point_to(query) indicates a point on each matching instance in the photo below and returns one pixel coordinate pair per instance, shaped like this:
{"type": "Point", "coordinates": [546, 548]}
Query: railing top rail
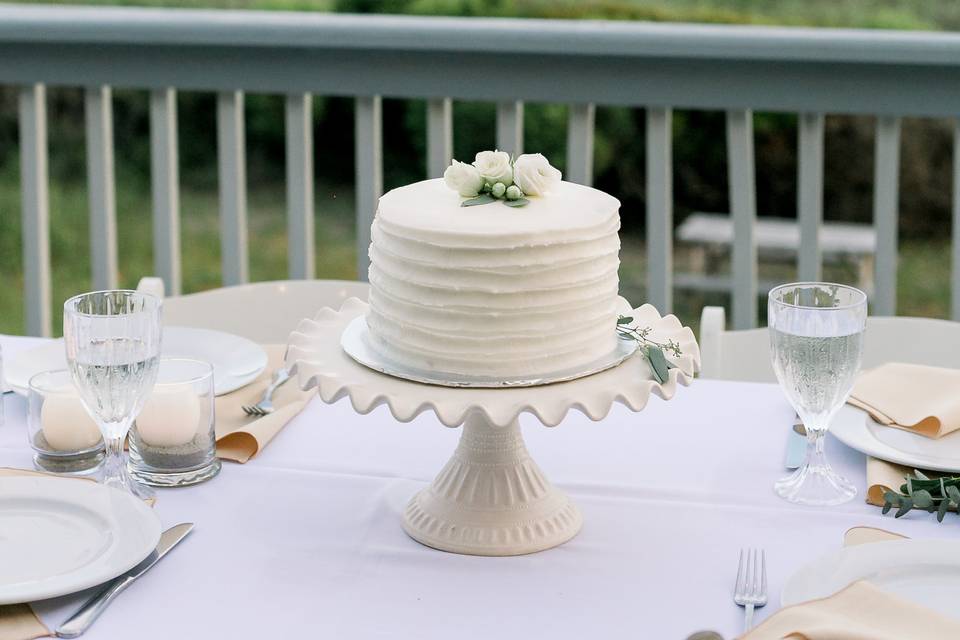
{"type": "Point", "coordinates": [153, 26]}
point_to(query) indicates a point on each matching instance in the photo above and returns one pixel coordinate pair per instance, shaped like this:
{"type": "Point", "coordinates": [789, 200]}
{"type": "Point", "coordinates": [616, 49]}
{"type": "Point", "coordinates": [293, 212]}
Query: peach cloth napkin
{"type": "Point", "coordinates": [239, 436]}
{"type": "Point", "coordinates": [883, 476]}
{"type": "Point", "coordinates": [859, 612]}
{"type": "Point", "coordinates": [918, 398]}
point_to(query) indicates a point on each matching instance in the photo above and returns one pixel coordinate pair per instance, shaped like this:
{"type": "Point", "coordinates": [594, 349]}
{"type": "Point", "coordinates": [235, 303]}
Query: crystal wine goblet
{"type": "Point", "coordinates": [816, 343]}
{"type": "Point", "coordinates": [112, 340]}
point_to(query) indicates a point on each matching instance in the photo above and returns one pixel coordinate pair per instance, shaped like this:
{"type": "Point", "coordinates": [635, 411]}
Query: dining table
{"type": "Point", "coordinates": [305, 539]}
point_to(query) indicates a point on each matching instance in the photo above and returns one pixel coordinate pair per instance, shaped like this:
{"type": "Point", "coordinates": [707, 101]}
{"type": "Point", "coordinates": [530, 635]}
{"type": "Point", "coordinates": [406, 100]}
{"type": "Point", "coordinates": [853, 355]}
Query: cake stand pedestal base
{"type": "Point", "coordinates": [491, 499]}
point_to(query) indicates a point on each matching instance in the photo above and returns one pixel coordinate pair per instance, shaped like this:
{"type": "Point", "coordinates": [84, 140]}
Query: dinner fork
{"type": "Point", "coordinates": [751, 589]}
{"type": "Point", "coordinates": [265, 405]}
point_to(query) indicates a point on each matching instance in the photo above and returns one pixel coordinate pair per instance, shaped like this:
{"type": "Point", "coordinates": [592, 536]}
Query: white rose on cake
{"type": "Point", "coordinates": [495, 167]}
{"type": "Point", "coordinates": [534, 174]}
{"type": "Point", "coordinates": [463, 178]}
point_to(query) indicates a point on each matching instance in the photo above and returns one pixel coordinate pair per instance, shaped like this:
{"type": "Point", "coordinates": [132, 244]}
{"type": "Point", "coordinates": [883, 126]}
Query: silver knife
{"type": "Point", "coordinates": [796, 445]}
{"type": "Point", "coordinates": [79, 622]}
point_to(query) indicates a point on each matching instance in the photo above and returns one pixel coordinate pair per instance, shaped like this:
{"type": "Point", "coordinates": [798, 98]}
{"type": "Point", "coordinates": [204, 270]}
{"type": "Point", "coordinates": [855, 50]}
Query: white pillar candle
{"type": "Point", "coordinates": [65, 423]}
{"type": "Point", "coordinates": [170, 416]}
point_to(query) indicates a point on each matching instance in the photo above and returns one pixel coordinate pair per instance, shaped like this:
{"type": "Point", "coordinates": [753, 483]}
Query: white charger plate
{"type": "Point", "coordinates": [236, 361]}
{"type": "Point", "coordinates": [856, 429]}
{"type": "Point", "coordinates": [62, 535]}
{"type": "Point", "coordinates": [926, 572]}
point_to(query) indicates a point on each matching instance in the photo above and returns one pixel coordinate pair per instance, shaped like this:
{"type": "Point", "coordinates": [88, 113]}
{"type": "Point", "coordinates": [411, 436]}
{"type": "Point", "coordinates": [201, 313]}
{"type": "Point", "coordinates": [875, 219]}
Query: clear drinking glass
{"type": "Point", "coordinates": [816, 343]}
{"type": "Point", "coordinates": [112, 340]}
{"type": "Point", "coordinates": [172, 442]}
{"type": "Point", "coordinates": [64, 437]}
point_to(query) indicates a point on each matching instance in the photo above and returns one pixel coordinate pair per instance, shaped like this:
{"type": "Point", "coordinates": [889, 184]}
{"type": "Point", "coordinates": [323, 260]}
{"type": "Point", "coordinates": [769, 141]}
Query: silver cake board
{"type": "Point", "coordinates": [358, 344]}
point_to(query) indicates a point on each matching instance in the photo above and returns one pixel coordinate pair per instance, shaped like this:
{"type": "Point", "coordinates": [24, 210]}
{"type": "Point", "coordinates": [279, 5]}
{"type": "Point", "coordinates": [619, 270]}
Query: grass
{"type": "Point", "coordinates": [923, 276]}
{"type": "Point", "coordinates": [70, 244]}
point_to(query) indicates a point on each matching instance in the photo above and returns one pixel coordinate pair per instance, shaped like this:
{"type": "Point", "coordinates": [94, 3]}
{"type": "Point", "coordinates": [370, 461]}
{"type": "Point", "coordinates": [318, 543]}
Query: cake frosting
{"type": "Point", "coordinates": [493, 290]}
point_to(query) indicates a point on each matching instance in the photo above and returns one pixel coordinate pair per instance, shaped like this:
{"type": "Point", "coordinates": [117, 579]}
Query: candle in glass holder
{"type": "Point", "coordinates": [65, 423]}
{"type": "Point", "coordinates": [173, 442]}
{"type": "Point", "coordinates": [170, 416]}
{"type": "Point", "coordinates": [64, 437]}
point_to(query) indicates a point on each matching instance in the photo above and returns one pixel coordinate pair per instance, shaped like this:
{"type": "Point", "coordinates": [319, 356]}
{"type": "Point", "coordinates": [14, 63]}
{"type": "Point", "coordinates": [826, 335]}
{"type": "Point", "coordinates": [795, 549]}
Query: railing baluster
{"type": "Point", "coordinates": [809, 193]}
{"type": "Point", "coordinates": [439, 136]}
{"type": "Point", "coordinates": [369, 159]}
{"type": "Point", "coordinates": [98, 109]}
{"type": "Point", "coordinates": [165, 185]}
{"type": "Point", "coordinates": [660, 208]}
{"type": "Point", "coordinates": [231, 147]}
{"type": "Point", "coordinates": [955, 288]}
{"type": "Point", "coordinates": [300, 253]}
{"type": "Point", "coordinates": [510, 127]}
{"type": "Point", "coordinates": [35, 209]}
{"type": "Point", "coordinates": [885, 189]}
{"type": "Point", "coordinates": [580, 144]}
{"type": "Point", "coordinates": [743, 207]}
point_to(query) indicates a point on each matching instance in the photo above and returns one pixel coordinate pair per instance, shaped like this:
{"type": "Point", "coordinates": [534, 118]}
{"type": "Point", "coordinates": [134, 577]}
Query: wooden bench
{"type": "Point", "coordinates": [710, 237]}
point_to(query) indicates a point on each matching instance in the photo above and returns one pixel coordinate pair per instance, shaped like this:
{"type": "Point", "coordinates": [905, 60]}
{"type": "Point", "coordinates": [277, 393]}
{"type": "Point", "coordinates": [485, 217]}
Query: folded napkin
{"type": "Point", "coordinates": [918, 398]}
{"type": "Point", "coordinates": [883, 476]}
{"type": "Point", "coordinates": [859, 612]}
{"type": "Point", "coordinates": [19, 622]}
{"type": "Point", "coordinates": [239, 436]}
{"type": "Point", "coordinates": [866, 535]}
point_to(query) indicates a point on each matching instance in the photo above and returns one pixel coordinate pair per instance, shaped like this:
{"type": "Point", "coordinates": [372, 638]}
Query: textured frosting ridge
{"type": "Point", "coordinates": [491, 290]}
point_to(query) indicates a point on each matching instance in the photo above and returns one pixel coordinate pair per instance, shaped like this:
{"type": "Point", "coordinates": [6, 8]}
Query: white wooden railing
{"type": "Point", "coordinates": [811, 72]}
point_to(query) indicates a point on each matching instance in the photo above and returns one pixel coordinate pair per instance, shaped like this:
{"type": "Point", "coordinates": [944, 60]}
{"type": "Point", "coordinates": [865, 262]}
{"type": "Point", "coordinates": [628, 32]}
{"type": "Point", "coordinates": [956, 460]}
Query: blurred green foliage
{"type": "Point", "coordinates": [699, 149]}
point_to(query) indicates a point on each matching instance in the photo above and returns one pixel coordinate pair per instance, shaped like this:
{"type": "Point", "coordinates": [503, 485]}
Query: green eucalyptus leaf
{"type": "Point", "coordinates": [942, 509]}
{"type": "Point", "coordinates": [482, 199]}
{"type": "Point", "coordinates": [922, 499]}
{"type": "Point", "coordinates": [519, 202]}
{"type": "Point", "coordinates": [954, 493]}
{"type": "Point", "coordinates": [906, 503]}
{"type": "Point", "coordinates": [658, 362]}
{"type": "Point", "coordinates": [892, 498]}
{"type": "Point", "coordinates": [886, 507]}
{"type": "Point", "coordinates": [624, 320]}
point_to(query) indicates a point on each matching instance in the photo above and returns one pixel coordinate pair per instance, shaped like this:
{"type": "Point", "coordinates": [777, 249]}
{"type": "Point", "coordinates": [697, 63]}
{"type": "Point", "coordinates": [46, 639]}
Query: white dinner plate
{"type": "Point", "coordinates": [926, 572]}
{"type": "Point", "coordinates": [62, 535]}
{"type": "Point", "coordinates": [855, 428]}
{"type": "Point", "coordinates": [236, 361]}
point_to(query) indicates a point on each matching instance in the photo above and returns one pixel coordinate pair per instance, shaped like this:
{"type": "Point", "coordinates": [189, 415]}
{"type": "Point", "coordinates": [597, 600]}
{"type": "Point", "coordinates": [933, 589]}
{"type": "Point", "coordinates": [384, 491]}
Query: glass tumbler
{"type": "Point", "coordinates": [64, 437]}
{"type": "Point", "coordinates": [172, 442]}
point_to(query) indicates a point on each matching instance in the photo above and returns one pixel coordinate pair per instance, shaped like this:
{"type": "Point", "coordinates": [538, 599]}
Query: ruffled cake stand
{"type": "Point", "coordinates": [491, 498]}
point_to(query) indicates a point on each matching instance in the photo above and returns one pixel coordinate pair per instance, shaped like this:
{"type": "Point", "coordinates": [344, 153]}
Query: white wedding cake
{"type": "Point", "coordinates": [509, 275]}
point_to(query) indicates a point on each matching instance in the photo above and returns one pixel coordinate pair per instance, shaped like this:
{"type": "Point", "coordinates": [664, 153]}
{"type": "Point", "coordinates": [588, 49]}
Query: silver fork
{"type": "Point", "coordinates": [265, 405]}
{"type": "Point", "coordinates": [751, 588]}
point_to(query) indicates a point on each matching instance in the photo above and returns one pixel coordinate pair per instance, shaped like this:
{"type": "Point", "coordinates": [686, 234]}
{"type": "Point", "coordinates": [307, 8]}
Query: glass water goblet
{"type": "Point", "coordinates": [112, 341]}
{"type": "Point", "coordinates": [816, 343]}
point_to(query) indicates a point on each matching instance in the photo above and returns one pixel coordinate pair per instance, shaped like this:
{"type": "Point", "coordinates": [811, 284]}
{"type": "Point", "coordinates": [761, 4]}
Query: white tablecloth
{"type": "Point", "coordinates": [305, 540]}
